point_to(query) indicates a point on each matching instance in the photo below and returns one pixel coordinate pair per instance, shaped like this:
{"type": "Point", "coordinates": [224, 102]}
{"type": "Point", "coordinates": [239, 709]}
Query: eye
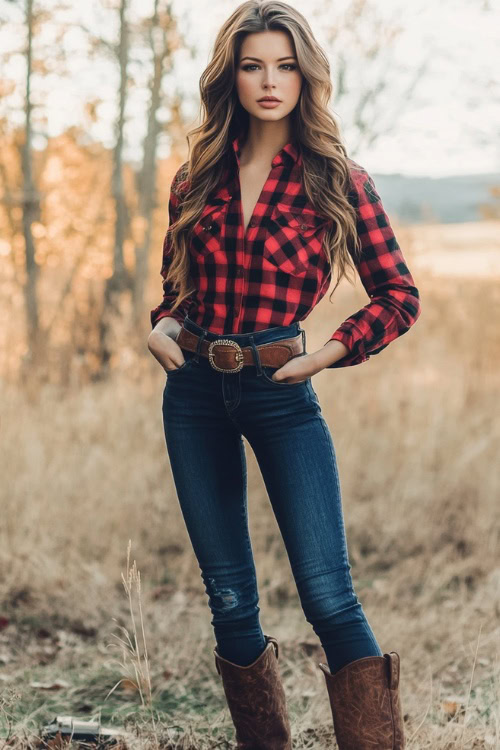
{"type": "Point", "coordinates": [290, 66]}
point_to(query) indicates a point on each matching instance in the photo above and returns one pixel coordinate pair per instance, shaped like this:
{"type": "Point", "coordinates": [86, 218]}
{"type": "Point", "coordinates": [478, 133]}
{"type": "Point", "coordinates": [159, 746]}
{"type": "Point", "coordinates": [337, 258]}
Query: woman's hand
{"type": "Point", "coordinates": [297, 369]}
{"type": "Point", "coordinates": [164, 347]}
{"type": "Point", "coordinates": [303, 367]}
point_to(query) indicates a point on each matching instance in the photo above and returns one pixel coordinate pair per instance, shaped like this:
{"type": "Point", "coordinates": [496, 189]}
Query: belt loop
{"type": "Point", "coordinates": [255, 355]}
{"type": "Point", "coordinates": [196, 356]}
{"type": "Point", "coordinates": [303, 340]}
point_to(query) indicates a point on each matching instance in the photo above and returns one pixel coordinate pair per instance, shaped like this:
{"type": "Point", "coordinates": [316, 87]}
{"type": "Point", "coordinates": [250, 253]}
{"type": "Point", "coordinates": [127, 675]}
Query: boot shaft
{"type": "Point", "coordinates": [256, 700]}
{"type": "Point", "coordinates": [366, 704]}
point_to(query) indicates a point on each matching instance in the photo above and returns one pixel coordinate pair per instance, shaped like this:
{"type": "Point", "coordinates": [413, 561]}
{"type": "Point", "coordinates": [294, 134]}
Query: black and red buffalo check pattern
{"type": "Point", "coordinates": [276, 272]}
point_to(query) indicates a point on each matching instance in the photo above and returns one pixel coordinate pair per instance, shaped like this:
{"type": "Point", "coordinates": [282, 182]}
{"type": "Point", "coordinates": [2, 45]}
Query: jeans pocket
{"type": "Point", "coordinates": [182, 367]}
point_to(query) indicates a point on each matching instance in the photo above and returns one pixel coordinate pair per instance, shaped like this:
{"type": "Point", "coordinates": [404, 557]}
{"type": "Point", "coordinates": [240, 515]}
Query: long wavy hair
{"type": "Point", "coordinates": [325, 177]}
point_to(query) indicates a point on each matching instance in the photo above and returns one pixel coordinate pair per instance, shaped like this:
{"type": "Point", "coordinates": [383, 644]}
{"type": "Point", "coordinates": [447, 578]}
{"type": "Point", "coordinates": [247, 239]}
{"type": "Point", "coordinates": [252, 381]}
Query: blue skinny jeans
{"type": "Point", "coordinates": [206, 413]}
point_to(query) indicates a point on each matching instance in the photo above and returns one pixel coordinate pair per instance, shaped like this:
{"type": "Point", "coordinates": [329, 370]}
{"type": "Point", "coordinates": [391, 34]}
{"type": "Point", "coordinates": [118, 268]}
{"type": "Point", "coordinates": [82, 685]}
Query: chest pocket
{"type": "Point", "coordinates": [293, 239]}
{"type": "Point", "coordinates": [208, 232]}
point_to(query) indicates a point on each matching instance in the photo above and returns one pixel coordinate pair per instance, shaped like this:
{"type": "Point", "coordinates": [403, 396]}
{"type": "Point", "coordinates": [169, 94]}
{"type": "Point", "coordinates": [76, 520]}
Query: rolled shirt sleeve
{"type": "Point", "coordinates": [169, 295]}
{"type": "Point", "coordinates": [394, 299]}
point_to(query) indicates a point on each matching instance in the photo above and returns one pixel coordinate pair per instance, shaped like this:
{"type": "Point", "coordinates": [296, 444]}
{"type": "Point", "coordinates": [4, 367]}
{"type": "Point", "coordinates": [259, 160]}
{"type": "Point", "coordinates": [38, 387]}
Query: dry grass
{"type": "Point", "coordinates": [416, 432]}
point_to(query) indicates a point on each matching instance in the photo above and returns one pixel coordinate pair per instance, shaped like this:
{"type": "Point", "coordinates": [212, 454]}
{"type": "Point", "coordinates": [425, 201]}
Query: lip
{"type": "Point", "coordinates": [268, 103]}
{"type": "Point", "coordinates": [269, 99]}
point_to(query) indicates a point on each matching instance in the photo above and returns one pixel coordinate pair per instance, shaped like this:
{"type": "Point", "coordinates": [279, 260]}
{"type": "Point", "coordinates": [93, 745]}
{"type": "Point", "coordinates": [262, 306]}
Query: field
{"type": "Point", "coordinates": [416, 432]}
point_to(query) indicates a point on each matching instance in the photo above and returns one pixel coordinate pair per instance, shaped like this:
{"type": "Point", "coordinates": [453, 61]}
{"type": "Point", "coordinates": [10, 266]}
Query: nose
{"type": "Point", "coordinates": [269, 79]}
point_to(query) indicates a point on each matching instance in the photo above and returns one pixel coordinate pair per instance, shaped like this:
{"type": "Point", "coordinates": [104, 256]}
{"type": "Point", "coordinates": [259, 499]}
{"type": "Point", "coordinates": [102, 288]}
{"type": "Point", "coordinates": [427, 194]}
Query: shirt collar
{"type": "Point", "coordinates": [289, 154]}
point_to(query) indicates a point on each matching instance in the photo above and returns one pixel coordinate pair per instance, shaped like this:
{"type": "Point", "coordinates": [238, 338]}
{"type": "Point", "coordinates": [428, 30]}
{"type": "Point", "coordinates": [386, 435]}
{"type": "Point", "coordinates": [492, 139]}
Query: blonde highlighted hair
{"type": "Point", "coordinates": [326, 166]}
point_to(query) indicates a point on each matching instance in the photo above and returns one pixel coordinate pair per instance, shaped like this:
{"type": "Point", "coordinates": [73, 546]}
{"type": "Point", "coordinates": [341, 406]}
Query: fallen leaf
{"type": "Point", "coordinates": [452, 707]}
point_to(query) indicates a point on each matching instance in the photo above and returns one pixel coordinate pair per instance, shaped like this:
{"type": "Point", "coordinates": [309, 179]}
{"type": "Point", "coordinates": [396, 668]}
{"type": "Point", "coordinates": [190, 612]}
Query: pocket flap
{"type": "Point", "coordinates": [302, 219]}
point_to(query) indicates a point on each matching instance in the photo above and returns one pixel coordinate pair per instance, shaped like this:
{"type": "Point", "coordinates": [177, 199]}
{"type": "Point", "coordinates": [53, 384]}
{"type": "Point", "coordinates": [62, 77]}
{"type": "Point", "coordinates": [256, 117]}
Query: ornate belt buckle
{"type": "Point", "coordinates": [238, 355]}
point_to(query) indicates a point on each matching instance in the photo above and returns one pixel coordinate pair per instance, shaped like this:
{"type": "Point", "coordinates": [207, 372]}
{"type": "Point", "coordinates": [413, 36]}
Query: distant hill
{"type": "Point", "coordinates": [435, 199]}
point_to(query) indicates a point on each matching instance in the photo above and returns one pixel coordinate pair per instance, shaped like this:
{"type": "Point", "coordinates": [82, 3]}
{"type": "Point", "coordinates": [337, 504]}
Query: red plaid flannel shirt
{"type": "Point", "coordinates": [275, 273]}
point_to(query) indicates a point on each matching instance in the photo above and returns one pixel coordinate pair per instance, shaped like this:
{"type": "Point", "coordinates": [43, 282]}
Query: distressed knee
{"type": "Point", "coordinates": [221, 598]}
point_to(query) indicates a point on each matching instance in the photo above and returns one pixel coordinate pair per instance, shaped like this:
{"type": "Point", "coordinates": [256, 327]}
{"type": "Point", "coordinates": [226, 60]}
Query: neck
{"type": "Point", "coordinates": [264, 140]}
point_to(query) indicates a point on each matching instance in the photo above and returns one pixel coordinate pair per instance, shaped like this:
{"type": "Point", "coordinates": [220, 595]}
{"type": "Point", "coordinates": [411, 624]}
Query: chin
{"type": "Point", "coordinates": [269, 114]}
{"type": "Point", "coordinates": [268, 118]}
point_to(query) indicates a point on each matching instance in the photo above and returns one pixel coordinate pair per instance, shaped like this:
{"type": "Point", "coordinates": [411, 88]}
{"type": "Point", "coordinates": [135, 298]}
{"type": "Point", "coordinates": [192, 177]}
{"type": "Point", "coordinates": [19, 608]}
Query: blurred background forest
{"type": "Point", "coordinates": [95, 102]}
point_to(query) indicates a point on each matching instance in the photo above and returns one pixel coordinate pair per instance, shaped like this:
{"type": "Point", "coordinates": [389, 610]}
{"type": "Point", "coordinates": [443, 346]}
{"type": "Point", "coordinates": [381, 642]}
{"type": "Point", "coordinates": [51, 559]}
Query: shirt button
{"type": "Point", "coordinates": [303, 227]}
{"type": "Point", "coordinates": [239, 271]}
{"type": "Point", "coordinates": [253, 222]}
{"type": "Point", "coordinates": [208, 226]}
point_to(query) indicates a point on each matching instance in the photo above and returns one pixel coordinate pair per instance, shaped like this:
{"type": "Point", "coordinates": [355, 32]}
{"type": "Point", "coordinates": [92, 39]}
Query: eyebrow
{"type": "Point", "coordinates": [288, 57]}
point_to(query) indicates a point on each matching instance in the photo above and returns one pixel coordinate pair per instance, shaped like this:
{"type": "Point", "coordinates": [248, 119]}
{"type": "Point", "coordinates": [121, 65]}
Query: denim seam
{"type": "Point", "coordinates": [339, 489]}
{"type": "Point", "coordinates": [228, 413]}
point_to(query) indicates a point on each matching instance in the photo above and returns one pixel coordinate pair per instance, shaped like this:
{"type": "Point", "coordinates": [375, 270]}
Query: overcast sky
{"type": "Point", "coordinates": [450, 126]}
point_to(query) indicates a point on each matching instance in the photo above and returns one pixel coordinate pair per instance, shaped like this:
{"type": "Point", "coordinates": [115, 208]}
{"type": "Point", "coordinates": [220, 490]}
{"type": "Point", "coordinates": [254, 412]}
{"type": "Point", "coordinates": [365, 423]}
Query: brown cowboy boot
{"type": "Point", "coordinates": [365, 703]}
{"type": "Point", "coordinates": [256, 700]}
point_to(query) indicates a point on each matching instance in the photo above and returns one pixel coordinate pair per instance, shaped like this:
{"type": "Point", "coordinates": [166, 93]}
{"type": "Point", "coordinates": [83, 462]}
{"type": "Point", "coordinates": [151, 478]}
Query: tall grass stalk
{"type": "Point", "coordinates": [131, 652]}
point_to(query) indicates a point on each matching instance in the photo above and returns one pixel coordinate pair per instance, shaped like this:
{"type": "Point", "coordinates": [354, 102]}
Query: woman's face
{"type": "Point", "coordinates": [268, 67]}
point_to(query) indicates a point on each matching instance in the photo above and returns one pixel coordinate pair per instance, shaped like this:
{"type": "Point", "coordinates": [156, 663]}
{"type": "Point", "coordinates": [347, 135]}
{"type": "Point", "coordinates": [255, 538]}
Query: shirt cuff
{"type": "Point", "coordinates": [356, 354]}
{"type": "Point", "coordinates": [156, 316]}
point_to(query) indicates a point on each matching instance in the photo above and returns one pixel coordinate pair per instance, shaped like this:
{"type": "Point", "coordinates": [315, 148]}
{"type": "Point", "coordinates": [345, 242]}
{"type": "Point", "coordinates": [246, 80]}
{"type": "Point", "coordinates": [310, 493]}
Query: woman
{"type": "Point", "coordinates": [267, 204]}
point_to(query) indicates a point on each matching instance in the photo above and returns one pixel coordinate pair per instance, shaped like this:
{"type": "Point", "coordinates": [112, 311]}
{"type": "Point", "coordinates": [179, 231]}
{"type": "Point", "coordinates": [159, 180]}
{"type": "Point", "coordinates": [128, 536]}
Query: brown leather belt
{"type": "Point", "coordinates": [226, 355]}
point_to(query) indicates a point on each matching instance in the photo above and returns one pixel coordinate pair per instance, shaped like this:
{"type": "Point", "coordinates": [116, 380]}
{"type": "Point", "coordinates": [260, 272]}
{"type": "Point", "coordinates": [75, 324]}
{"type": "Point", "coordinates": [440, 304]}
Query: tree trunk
{"type": "Point", "coordinates": [119, 280]}
{"type": "Point", "coordinates": [30, 209]}
{"type": "Point", "coordinates": [146, 180]}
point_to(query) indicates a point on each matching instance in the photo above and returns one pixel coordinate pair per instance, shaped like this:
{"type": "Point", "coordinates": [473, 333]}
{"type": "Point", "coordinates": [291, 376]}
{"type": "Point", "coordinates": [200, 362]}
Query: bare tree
{"type": "Point", "coordinates": [120, 280]}
{"type": "Point", "coordinates": [162, 38]}
{"type": "Point", "coordinates": [361, 47]}
{"type": "Point", "coordinates": [30, 198]}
